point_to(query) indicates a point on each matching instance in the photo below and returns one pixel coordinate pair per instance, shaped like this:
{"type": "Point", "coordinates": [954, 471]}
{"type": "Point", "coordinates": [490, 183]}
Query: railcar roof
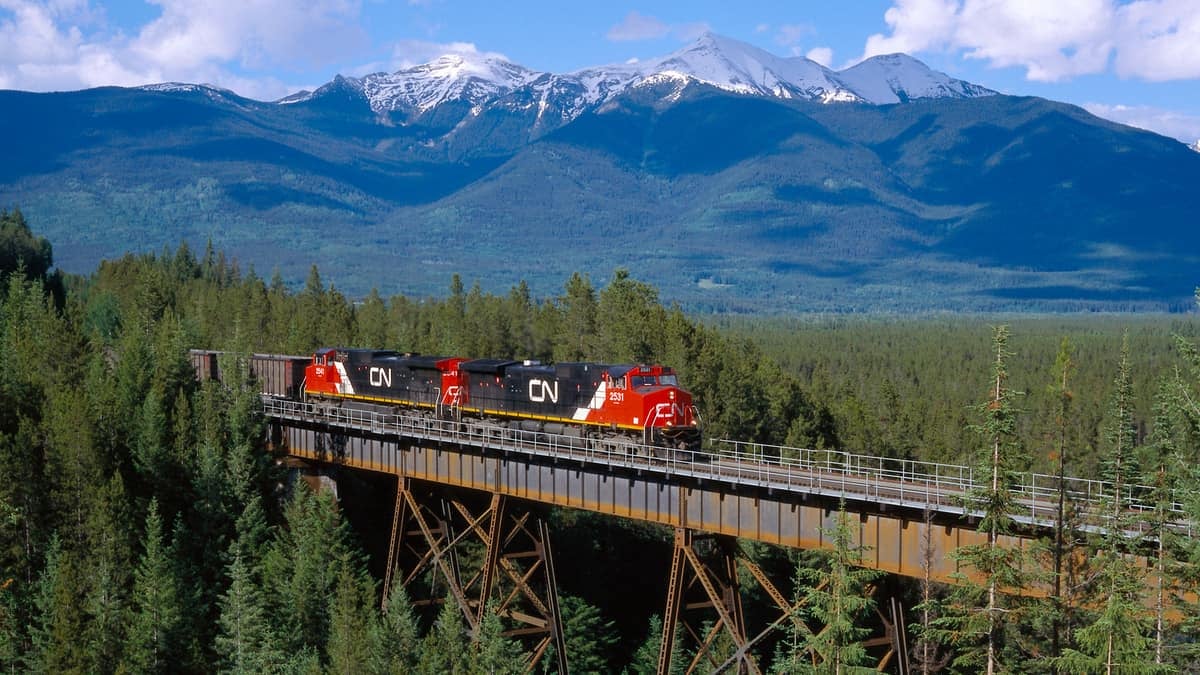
{"type": "Point", "coordinates": [490, 366]}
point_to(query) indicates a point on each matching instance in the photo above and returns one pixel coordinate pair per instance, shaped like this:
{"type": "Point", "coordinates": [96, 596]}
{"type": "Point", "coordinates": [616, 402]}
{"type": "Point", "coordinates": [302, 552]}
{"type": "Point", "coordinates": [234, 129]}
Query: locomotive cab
{"type": "Point", "coordinates": [650, 397]}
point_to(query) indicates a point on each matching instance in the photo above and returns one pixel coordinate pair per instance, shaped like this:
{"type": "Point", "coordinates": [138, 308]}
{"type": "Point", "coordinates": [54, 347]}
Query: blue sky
{"type": "Point", "coordinates": [1136, 61]}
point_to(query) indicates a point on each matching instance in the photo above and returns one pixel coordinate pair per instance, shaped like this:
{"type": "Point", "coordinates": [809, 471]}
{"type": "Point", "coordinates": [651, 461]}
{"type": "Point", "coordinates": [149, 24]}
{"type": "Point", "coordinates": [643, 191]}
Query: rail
{"type": "Point", "coordinates": [941, 488]}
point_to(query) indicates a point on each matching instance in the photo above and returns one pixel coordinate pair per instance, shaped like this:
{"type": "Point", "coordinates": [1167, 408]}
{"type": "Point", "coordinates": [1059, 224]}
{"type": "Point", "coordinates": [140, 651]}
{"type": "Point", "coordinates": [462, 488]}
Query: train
{"type": "Point", "coordinates": [643, 403]}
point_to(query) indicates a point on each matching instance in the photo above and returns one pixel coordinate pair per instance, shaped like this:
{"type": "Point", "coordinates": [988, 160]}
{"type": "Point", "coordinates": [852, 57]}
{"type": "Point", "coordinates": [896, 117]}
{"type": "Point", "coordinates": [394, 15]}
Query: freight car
{"type": "Point", "coordinates": [587, 400]}
{"type": "Point", "coordinates": [276, 374]}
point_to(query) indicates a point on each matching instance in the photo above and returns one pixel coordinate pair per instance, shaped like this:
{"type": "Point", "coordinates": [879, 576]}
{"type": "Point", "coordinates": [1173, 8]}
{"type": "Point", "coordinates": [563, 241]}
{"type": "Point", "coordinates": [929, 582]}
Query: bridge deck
{"type": "Point", "coordinates": [911, 514]}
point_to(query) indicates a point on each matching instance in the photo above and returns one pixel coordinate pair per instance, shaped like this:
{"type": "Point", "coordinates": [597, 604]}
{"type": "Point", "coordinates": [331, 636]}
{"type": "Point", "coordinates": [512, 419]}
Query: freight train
{"type": "Point", "coordinates": [638, 402]}
{"type": "Point", "coordinates": [581, 399]}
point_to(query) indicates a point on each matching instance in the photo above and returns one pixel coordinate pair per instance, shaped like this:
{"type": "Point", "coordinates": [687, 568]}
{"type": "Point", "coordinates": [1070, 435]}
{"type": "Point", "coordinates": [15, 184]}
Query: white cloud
{"type": "Point", "coordinates": [1177, 125]}
{"type": "Point", "coordinates": [686, 32]}
{"type": "Point", "coordinates": [409, 53]}
{"type": "Point", "coordinates": [636, 26]}
{"type": "Point", "coordinates": [792, 33]}
{"type": "Point", "coordinates": [1052, 40]}
{"type": "Point", "coordinates": [822, 55]}
{"type": "Point", "coordinates": [1159, 40]}
{"type": "Point", "coordinates": [916, 25]}
{"type": "Point", "coordinates": [63, 44]}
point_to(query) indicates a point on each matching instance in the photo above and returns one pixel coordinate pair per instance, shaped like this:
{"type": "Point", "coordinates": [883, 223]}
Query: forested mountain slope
{"type": "Point", "coordinates": [725, 201]}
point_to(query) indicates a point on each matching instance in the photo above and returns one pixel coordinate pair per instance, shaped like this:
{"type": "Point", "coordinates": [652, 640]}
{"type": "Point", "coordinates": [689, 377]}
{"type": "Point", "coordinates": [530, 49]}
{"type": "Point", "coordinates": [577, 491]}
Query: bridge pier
{"type": "Point", "coordinates": [515, 575]}
{"type": "Point", "coordinates": [708, 580]}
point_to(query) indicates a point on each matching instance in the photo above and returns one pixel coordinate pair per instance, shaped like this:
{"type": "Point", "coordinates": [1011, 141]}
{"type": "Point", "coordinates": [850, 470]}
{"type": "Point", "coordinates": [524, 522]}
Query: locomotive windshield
{"type": "Point", "coordinates": [651, 381]}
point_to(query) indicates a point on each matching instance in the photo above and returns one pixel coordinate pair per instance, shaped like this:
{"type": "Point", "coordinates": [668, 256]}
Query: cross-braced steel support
{"type": "Point", "coordinates": [436, 538]}
{"type": "Point", "coordinates": [705, 583]}
{"type": "Point", "coordinates": [708, 580]}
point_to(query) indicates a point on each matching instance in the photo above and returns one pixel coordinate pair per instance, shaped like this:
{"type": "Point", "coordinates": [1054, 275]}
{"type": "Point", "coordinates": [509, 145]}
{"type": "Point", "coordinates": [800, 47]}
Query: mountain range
{"type": "Point", "coordinates": [730, 178]}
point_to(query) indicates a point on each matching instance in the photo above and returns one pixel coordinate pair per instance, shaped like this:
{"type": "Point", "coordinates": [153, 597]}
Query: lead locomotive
{"type": "Point", "coordinates": [584, 399]}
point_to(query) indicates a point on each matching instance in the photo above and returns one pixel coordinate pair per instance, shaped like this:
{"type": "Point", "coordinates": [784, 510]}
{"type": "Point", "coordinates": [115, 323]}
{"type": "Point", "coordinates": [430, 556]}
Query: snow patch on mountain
{"type": "Point", "coordinates": [899, 78]}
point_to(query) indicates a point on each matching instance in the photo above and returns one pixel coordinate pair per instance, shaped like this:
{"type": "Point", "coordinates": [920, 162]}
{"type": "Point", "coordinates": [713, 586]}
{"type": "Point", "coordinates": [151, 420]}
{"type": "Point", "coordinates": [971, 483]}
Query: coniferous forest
{"type": "Point", "coordinates": [144, 526]}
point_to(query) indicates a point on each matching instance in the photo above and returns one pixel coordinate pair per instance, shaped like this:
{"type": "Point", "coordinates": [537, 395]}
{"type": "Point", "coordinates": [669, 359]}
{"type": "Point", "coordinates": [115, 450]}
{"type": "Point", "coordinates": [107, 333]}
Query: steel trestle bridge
{"type": "Point", "coordinates": [467, 491]}
{"type": "Point", "coordinates": [910, 515]}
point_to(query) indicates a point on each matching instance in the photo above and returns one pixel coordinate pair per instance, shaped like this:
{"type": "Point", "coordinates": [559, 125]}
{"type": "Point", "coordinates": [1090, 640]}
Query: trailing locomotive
{"type": "Point", "coordinates": [644, 402]}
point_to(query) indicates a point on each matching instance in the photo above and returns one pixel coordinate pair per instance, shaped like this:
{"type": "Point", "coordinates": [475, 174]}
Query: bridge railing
{"type": "Point", "coordinates": [954, 483]}
{"type": "Point", "coordinates": [941, 487]}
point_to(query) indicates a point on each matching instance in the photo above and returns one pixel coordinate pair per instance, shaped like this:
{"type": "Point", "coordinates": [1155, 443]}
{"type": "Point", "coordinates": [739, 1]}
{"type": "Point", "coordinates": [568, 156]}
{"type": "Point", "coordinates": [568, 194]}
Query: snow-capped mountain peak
{"type": "Point", "coordinates": [736, 66]}
{"type": "Point", "coordinates": [472, 77]}
{"type": "Point", "coordinates": [481, 80]}
{"type": "Point", "coordinates": [899, 78]}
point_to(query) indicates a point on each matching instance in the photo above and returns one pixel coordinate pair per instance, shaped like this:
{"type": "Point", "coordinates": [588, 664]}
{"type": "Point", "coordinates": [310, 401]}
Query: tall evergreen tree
{"type": "Point", "coordinates": [245, 643]}
{"type": "Point", "coordinates": [108, 575]}
{"type": "Point", "coordinates": [575, 341]}
{"type": "Point", "coordinates": [979, 611]}
{"type": "Point", "coordinates": [589, 637]}
{"type": "Point", "coordinates": [1060, 390]}
{"type": "Point", "coordinates": [494, 654]}
{"type": "Point", "coordinates": [1118, 640]}
{"type": "Point", "coordinates": [153, 633]}
{"type": "Point", "coordinates": [57, 647]}
{"type": "Point", "coordinates": [301, 569]}
{"type": "Point", "coordinates": [11, 633]}
{"type": "Point", "coordinates": [1164, 471]}
{"type": "Point", "coordinates": [446, 650]}
{"type": "Point", "coordinates": [399, 637]}
{"type": "Point", "coordinates": [645, 659]}
{"type": "Point", "coordinates": [835, 597]}
{"type": "Point", "coordinates": [352, 623]}
{"type": "Point", "coordinates": [41, 654]}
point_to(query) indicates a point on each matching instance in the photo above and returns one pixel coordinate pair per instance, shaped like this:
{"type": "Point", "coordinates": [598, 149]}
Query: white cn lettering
{"type": "Point", "coordinates": [380, 377]}
{"type": "Point", "coordinates": [540, 390]}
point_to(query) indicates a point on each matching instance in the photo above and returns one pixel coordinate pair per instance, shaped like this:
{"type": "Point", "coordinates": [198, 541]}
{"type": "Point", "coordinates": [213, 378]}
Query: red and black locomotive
{"type": "Point", "coordinates": [579, 399]}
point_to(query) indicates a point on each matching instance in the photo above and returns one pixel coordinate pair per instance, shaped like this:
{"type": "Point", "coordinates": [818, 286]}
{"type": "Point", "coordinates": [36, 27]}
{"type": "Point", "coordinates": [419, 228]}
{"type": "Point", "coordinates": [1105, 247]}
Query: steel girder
{"type": "Point", "coordinates": [491, 558]}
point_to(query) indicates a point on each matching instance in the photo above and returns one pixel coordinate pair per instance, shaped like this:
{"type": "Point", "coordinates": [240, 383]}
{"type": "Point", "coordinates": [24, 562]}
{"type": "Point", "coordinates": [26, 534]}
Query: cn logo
{"type": "Point", "coordinates": [540, 390]}
{"type": "Point", "coordinates": [380, 377]}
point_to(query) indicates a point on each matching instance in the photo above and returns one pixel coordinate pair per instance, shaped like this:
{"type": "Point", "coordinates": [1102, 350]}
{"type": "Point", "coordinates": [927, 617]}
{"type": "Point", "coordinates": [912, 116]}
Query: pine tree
{"type": "Point", "coordinates": [1120, 463]}
{"type": "Point", "coordinates": [978, 611]}
{"type": "Point", "coordinates": [835, 597]}
{"type": "Point", "coordinates": [1164, 468]}
{"type": "Point", "coordinates": [11, 634]}
{"type": "Point", "coordinates": [352, 622]}
{"type": "Point", "coordinates": [39, 658]}
{"type": "Point", "coordinates": [398, 638]}
{"type": "Point", "coordinates": [575, 341]}
{"type": "Point", "coordinates": [446, 650]}
{"type": "Point", "coordinates": [301, 568]}
{"type": "Point", "coordinates": [589, 637]}
{"type": "Point", "coordinates": [494, 654]}
{"type": "Point", "coordinates": [371, 320]}
{"type": "Point", "coordinates": [245, 643]}
{"type": "Point", "coordinates": [153, 633]}
{"type": "Point", "coordinates": [110, 543]}
{"type": "Point", "coordinates": [645, 659]}
{"type": "Point", "coordinates": [629, 320]}
{"type": "Point", "coordinates": [1118, 640]}
{"type": "Point", "coordinates": [1064, 366]}
{"type": "Point", "coordinates": [926, 655]}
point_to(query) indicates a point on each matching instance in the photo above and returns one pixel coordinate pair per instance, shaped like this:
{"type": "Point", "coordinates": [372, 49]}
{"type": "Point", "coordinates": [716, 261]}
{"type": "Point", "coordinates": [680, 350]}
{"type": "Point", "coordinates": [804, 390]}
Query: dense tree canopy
{"type": "Point", "coordinates": [145, 527]}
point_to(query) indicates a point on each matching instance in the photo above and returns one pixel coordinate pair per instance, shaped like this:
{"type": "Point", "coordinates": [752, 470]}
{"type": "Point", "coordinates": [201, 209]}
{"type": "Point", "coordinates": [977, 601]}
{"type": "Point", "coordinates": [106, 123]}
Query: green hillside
{"type": "Point", "coordinates": [726, 203]}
